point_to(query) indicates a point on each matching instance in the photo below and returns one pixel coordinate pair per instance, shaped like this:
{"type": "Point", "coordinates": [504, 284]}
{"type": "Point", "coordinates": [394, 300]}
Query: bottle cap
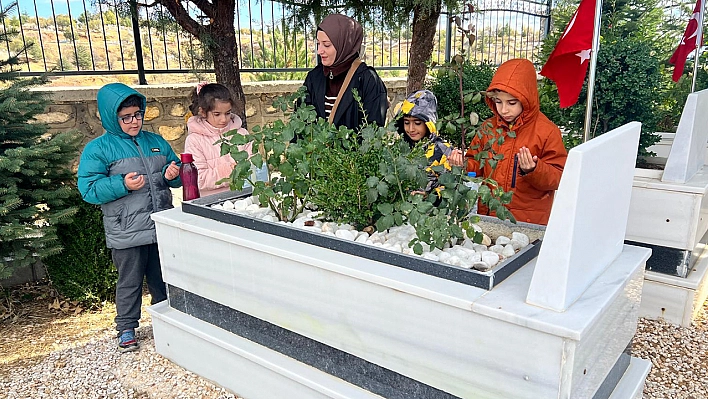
{"type": "Point", "coordinates": [186, 157]}
{"type": "Point", "coordinates": [469, 174]}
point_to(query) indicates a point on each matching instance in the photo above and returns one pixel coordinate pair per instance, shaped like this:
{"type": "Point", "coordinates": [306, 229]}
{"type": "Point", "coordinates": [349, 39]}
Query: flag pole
{"type": "Point", "coordinates": [593, 65]}
{"type": "Point", "coordinates": [699, 41]}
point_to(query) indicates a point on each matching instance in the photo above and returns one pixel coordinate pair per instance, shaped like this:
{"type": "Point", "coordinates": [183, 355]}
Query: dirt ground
{"type": "Point", "coordinates": [42, 323]}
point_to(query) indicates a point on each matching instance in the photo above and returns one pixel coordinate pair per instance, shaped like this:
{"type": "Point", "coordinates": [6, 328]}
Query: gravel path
{"type": "Point", "coordinates": [94, 369]}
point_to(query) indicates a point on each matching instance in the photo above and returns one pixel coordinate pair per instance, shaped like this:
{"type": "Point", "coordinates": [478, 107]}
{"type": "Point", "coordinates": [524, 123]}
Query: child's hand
{"type": "Point", "coordinates": [133, 181]}
{"type": "Point", "coordinates": [455, 158]}
{"type": "Point", "coordinates": [172, 171]}
{"type": "Point", "coordinates": [527, 162]}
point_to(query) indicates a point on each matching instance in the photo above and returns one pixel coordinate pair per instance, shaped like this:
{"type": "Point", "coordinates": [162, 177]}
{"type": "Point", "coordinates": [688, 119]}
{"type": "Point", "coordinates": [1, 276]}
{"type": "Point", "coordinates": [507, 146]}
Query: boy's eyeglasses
{"type": "Point", "coordinates": [129, 118]}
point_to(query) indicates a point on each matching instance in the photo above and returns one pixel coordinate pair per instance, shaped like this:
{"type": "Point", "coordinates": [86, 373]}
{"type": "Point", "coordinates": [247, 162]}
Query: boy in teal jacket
{"type": "Point", "coordinates": [129, 173]}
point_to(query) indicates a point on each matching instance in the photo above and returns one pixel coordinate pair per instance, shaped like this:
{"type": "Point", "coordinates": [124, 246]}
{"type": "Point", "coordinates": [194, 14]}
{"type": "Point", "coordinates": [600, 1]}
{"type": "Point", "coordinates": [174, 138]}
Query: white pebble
{"type": "Point", "coordinates": [522, 238]}
{"type": "Point", "coordinates": [228, 205]}
{"type": "Point", "coordinates": [363, 238]}
{"type": "Point", "coordinates": [490, 258]}
{"type": "Point", "coordinates": [496, 248]}
{"type": "Point", "coordinates": [241, 205]}
{"type": "Point", "coordinates": [508, 251]}
{"type": "Point", "coordinates": [344, 234]}
{"type": "Point", "coordinates": [502, 240]}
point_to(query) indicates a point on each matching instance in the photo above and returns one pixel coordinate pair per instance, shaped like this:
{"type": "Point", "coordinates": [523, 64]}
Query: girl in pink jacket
{"type": "Point", "coordinates": [211, 107]}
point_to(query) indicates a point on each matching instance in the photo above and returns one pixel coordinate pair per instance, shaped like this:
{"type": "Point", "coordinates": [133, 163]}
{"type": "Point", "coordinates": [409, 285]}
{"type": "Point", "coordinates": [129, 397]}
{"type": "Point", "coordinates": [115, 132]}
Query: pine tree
{"type": "Point", "coordinates": [35, 172]}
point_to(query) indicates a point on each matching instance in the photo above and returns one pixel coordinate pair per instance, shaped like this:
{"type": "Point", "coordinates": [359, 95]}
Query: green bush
{"type": "Point", "coordinates": [446, 87]}
{"type": "Point", "coordinates": [626, 85]}
{"type": "Point", "coordinates": [84, 271]}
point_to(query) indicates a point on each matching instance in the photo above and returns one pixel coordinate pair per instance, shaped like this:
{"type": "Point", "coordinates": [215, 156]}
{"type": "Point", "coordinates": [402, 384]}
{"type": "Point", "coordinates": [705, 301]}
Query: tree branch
{"type": "Point", "coordinates": [182, 17]}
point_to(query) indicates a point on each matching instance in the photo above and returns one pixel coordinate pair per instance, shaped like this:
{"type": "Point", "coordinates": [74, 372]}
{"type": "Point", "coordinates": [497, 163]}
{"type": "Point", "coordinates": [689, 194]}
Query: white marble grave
{"type": "Point", "coordinates": [268, 317]}
{"type": "Point", "coordinates": [595, 236]}
{"type": "Point", "coordinates": [669, 212]}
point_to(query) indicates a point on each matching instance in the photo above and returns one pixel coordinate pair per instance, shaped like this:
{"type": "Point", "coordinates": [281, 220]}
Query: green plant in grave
{"type": "Point", "coordinates": [288, 190]}
{"type": "Point", "coordinates": [356, 178]}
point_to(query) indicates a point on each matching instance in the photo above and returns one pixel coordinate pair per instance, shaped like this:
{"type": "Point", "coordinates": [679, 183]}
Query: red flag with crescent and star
{"type": "Point", "coordinates": [568, 63]}
{"type": "Point", "coordinates": [687, 45]}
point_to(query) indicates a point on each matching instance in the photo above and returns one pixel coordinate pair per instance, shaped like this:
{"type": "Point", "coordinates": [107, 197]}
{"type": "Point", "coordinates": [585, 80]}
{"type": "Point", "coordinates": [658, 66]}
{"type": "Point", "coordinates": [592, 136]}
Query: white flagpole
{"type": "Point", "coordinates": [593, 65]}
{"type": "Point", "coordinates": [699, 40]}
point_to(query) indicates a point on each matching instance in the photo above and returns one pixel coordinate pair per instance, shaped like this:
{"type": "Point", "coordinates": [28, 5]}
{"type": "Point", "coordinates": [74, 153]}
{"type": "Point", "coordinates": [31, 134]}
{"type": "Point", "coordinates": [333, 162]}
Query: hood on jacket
{"type": "Point", "coordinates": [422, 105]}
{"type": "Point", "coordinates": [518, 78]}
{"type": "Point", "coordinates": [109, 98]}
{"type": "Point", "coordinates": [346, 36]}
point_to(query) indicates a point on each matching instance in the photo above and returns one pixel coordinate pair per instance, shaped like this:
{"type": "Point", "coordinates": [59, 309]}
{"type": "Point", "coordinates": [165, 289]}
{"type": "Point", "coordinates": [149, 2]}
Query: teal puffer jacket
{"type": "Point", "coordinates": [108, 158]}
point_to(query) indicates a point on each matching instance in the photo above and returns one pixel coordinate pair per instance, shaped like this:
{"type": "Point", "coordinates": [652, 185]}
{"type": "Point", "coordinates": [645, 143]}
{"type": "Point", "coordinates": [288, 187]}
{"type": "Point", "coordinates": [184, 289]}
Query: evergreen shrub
{"type": "Point", "coordinates": [84, 271]}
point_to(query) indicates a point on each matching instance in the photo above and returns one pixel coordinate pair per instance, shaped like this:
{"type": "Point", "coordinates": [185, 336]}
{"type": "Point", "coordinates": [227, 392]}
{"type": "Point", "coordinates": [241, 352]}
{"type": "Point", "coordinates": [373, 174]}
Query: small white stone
{"type": "Point", "coordinates": [228, 205]}
{"type": "Point", "coordinates": [253, 208]}
{"type": "Point", "coordinates": [480, 248]}
{"type": "Point", "coordinates": [517, 245]}
{"type": "Point", "coordinates": [522, 238]}
{"type": "Point", "coordinates": [396, 247]}
{"type": "Point", "coordinates": [502, 240]}
{"type": "Point", "coordinates": [328, 233]}
{"type": "Point", "coordinates": [468, 244]}
{"type": "Point", "coordinates": [444, 256]}
{"type": "Point", "coordinates": [436, 251]}
{"type": "Point", "coordinates": [363, 238]}
{"type": "Point", "coordinates": [486, 240]}
{"type": "Point", "coordinates": [430, 255]}
{"type": "Point", "coordinates": [217, 206]}
{"type": "Point", "coordinates": [330, 227]}
{"type": "Point", "coordinates": [454, 260]}
{"type": "Point", "coordinates": [241, 205]}
{"type": "Point", "coordinates": [508, 251]}
{"type": "Point", "coordinates": [346, 226]}
{"type": "Point", "coordinates": [490, 258]}
{"type": "Point", "coordinates": [344, 234]}
{"type": "Point", "coordinates": [496, 248]}
{"type": "Point", "coordinates": [476, 257]}
{"type": "Point", "coordinates": [269, 218]}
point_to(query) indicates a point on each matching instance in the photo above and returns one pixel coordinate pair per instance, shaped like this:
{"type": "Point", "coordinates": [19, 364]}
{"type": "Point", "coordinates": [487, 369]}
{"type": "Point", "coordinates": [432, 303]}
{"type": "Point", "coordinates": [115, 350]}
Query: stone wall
{"type": "Point", "coordinates": [167, 105]}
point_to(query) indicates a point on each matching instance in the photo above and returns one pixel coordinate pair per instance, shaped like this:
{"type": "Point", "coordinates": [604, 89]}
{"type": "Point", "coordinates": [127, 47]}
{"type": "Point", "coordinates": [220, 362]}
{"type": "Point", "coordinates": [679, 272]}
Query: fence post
{"type": "Point", "coordinates": [448, 38]}
{"type": "Point", "coordinates": [548, 20]}
{"type": "Point", "coordinates": [138, 42]}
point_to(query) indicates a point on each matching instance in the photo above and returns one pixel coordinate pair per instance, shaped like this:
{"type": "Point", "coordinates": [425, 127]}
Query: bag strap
{"type": "Point", "coordinates": [344, 87]}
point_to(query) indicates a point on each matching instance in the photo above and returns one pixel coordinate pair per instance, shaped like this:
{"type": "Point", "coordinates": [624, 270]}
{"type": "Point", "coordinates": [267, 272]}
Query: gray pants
{"type": "Point", "coordinates": [133, 264]}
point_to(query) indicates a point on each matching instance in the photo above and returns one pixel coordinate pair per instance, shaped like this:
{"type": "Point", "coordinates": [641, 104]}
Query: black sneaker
{"type": "Point", "coordinates": [127, 341]}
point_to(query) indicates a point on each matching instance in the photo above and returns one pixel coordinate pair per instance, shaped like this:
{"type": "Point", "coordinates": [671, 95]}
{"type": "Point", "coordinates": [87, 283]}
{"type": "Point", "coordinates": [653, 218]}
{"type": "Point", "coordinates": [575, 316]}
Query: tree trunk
{"type": "Point", "coordinates": [224, 51]}
{"type": "Point", "coordinates": [424, 28]}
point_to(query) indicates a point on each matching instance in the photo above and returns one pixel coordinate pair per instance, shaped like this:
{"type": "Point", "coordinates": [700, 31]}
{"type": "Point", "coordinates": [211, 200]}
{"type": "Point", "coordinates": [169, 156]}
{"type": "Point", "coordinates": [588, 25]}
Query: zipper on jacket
{"type": "Point", "coordinates": [148, 174]}
{"type": "Point", "coordinates": [516, 166]}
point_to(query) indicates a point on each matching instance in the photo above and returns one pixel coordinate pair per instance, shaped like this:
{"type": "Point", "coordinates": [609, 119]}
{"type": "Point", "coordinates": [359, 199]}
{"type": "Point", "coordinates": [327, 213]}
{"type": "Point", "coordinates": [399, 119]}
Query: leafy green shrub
{"type": "Point", "coordinates": [84, 271]}
{"type": "Point", "coordinates": [446, 87]}
{"type": "Point", "coordinates": [370, 177]}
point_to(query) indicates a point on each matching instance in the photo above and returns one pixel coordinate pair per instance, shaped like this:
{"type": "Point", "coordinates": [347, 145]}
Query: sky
{"type": "Point", "coordinates": [44, 8]}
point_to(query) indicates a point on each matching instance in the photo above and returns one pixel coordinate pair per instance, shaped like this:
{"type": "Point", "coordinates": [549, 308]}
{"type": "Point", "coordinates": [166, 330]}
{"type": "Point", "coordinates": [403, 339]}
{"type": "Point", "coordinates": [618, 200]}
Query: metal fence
{"type": "Point", "coordinates": [87, 37]}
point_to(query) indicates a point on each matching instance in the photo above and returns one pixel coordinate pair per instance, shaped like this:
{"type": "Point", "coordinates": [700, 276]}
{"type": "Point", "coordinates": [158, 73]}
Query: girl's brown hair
{"type": "Point", "coordinates": [207, 96]}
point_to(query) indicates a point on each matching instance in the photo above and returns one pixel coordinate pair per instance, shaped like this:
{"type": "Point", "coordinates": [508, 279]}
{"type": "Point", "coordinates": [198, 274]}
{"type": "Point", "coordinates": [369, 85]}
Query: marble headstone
{"type": "Point", "coordinates": [688, 150]}
{"type": "Point", "coordinates": [587, 225]}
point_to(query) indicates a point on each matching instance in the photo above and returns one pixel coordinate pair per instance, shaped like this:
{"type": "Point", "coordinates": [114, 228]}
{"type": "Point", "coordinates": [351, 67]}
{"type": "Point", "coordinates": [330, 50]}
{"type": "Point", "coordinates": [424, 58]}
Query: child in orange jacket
{"type": "Point", "coordinates": [534, 159]}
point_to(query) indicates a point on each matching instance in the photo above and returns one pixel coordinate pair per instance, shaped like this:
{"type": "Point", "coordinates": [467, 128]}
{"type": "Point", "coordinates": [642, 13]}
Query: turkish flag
{"type": "Point", "coordinates": [687, 45]}
{"type": "Point", "coordinates": [569, 61]}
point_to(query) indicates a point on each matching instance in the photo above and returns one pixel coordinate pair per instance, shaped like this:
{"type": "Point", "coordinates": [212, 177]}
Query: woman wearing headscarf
{"type": "Point", "coordinates": [338, 43]}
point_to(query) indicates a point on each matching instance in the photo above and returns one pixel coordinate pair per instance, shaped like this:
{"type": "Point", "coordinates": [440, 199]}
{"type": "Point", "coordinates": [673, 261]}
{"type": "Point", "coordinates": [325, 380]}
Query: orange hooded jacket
{"type": "Point", "coordinates": [533, 192]}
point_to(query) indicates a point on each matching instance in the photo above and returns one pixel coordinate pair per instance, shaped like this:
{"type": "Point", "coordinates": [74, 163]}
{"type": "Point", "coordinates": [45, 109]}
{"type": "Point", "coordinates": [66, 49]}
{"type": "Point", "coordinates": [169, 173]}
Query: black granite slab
{"type": "Point", "coordinates": [666, 260]}
{"type": "Point", "coordinates": [355, 370]}
{"type": "Point", "coordinates": [615, 374]}
{"type": "Point", "coordinates": [486, 280]}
